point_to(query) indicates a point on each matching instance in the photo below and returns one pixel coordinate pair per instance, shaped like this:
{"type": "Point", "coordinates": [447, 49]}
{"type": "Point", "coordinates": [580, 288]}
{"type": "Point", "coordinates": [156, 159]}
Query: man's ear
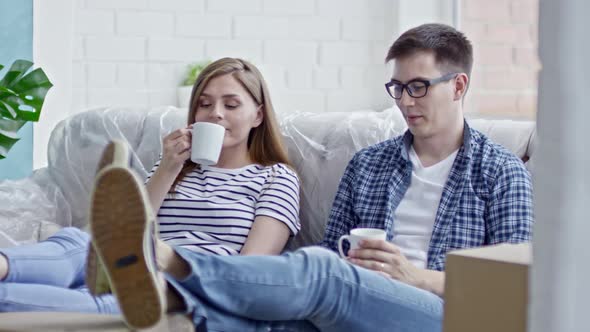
{"type": "Point", "coordinates": [259, 116]}
{"type": "Point", "coordinates": [461, 83]}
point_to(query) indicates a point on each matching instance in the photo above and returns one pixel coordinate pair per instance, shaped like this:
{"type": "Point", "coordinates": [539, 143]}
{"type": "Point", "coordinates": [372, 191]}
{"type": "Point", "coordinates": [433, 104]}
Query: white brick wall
{"type": "Point", "coordinates": [233, 7]}
{"type": "Point", "coordinates": [346, 53]}
{"type": "Point", "coordinates": [131, 75]}
{"type": "Point", "coordinates": [289, 7]}
{"type": "Point", "coordinates": [317, 28]}
{"type": "Point", "coordinates": [326, 77]}
{"type": "Point", "coordinates": [176, 49]}
{"type": "Point", "coordinates": [290, 53]}
{"type": "Point", "coordinates": [116, 4]}
{"type": "Point", "coordinates": [316, 55]}
{"type": "Point", "coordinates": [101, 75]}
{"type": "Point", "coordinates": [204, 25]}
{"type": "Point", "coordinates": [90, 22]}
{"type": "Point", "coordinates": [115, 48]}
{"type": "Point", "coordinates": [179, 5]}
{"type": "Point", "coordinates": [299, 77]}
{"type": "Point", "coordinates": [261, 27]}
{"type": "Point", "coordinates": [250, 50]}
{"type": "Point", "coordinates": [138, 23]}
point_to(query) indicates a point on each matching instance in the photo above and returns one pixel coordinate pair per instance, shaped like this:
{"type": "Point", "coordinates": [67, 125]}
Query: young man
{"type": "Point", "coordinates": [440, 186]}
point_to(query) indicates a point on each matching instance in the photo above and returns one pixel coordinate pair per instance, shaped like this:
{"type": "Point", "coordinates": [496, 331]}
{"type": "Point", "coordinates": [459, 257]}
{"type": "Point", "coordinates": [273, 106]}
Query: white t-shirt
{"type": "Point", "coordinates": [212, 209]}
{"type": "Point", "coordinates": [414, 217]}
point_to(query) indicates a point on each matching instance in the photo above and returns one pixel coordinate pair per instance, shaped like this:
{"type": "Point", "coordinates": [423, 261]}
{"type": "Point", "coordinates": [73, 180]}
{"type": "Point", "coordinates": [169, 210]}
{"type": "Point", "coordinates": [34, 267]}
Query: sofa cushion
{"type": "Point", "coordinates": [77, 142]}
{"type": "Point", "coordinates": [516, 136]}
{"type": "Point", "coordinates": [320, 147]}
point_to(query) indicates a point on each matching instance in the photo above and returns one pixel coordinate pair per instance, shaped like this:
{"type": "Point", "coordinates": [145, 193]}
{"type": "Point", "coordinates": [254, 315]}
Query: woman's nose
{"type": "Point", "coordinates": [217, 113]}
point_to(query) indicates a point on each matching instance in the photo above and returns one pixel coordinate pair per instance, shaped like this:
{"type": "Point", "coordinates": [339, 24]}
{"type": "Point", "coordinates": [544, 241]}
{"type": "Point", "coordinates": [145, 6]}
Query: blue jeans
{"type": "Point", "coordinates": [49, 276]}
{"type": "Point", "coordinates": [310, 289]}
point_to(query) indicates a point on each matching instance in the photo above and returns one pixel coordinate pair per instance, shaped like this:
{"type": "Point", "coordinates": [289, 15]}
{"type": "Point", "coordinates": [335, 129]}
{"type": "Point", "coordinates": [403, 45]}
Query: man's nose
{"type": "Point", "coordinates": [406, 99]}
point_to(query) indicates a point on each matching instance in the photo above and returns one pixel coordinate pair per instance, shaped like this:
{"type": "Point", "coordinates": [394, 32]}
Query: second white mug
{"type": "Point", "coordinates": [358, 234]}
{"type": "Point", "coordinates": [206, 143]}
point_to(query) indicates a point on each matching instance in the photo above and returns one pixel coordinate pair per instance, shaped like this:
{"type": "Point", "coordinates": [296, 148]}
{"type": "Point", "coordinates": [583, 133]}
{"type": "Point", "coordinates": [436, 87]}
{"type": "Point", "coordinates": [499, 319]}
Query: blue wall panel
{"type": "Point", "coordinates": [16, 42]}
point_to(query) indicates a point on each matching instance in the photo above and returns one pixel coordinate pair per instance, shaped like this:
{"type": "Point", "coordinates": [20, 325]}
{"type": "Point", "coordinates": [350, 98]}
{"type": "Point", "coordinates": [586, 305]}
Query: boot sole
{"type": "Point", "coordinates": [116, 153]}
{"type": "Point", "coordinates": [118, 236]}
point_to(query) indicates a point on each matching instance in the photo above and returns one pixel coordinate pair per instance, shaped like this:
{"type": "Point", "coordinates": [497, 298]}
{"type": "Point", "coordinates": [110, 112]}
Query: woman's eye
{"type": "Point", "coordinates": [231, 106]}
{"type": "Point", "coordinates": [204, 105]}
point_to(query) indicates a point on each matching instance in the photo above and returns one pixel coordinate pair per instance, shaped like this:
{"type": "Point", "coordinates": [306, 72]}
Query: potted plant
{"type": "Point", "coordinates": [184, 91]}
{"type": "Point", "coordinates": [22, 94]}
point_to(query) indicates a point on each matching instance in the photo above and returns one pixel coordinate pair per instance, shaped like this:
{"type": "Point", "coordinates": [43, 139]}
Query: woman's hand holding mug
{"type": "Point", "coordinates": [176, 149]}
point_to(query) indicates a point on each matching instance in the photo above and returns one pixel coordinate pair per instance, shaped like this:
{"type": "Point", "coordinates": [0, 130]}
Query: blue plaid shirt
{"type": "Point", "coordinates": [487, 198]}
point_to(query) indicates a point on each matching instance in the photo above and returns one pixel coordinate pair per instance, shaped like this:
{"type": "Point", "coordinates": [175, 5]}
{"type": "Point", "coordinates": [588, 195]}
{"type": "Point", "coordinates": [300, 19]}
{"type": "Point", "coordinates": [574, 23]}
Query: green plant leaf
{"type": "Point", "coordinates": [193, 71]}
{"type": "Point", "coordinates": [4, 90]}
{"type": "Point", "coordinates": [22, 94]}
{"type": "Point", "coordinates": [10, 127]}
{"type": "Point", "coordinates": [8, 136]}
{"type": "Point", "coordinates": [9, 109]}
{"type": "Point", "coordinates": [28, 92]}
{"type": "Point", "coordinates": [16, 71]}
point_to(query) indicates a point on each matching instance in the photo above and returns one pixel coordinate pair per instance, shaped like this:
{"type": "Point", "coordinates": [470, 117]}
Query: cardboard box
{"type": "Point", "coordinates": [486, 289]}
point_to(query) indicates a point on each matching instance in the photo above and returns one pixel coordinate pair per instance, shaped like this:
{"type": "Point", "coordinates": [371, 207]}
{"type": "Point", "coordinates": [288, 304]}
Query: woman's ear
{"type": "Point", "coordinates": [461, 83]}
{"type": "Point", "coordinates": [259, 116]}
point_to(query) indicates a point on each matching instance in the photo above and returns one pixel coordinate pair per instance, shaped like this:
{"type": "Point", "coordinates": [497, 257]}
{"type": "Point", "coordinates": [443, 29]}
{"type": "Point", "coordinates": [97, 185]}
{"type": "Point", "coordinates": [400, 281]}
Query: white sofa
{"type": "Point", "coordinates": [320, 146]}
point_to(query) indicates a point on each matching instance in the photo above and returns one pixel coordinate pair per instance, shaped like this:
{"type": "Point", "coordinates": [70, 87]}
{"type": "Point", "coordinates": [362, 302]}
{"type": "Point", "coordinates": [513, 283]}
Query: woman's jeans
{"type": "Point", "coordinates": [49, 276]}
{"type": "Point", "coordinates": [308, 290]}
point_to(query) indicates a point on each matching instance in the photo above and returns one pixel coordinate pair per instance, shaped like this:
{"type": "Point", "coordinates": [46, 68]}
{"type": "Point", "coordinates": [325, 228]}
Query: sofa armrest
{"type": "Point", "coordinates": [32, 208]}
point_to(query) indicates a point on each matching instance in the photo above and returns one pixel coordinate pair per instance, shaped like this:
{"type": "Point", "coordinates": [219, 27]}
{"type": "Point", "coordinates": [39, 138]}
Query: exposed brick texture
{"type": "Point", "coordinates": [504, 34]}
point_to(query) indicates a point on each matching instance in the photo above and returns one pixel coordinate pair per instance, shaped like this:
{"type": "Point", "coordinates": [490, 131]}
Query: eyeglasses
{"type": "Point", "coordinates": [416, 88]}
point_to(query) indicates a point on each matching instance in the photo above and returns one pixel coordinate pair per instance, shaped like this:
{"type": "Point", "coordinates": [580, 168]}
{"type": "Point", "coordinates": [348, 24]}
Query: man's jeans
{"type": "Point", "coordinates": [308, 290]}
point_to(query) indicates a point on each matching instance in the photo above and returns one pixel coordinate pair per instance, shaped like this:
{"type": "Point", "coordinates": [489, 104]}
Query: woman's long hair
{"type": "Point", "coordinates": [265, 145]}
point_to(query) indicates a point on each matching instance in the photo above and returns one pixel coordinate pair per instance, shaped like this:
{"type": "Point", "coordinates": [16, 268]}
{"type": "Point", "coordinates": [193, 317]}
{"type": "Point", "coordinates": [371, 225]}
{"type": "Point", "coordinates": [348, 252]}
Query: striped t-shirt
{"type": "Point", "coordinates": [211, 210]}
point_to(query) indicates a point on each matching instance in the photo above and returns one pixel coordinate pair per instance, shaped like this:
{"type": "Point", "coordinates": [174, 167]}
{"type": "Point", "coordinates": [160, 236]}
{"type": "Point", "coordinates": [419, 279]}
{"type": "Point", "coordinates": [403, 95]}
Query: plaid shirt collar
{"type": "Point", "coordinates": [408, 138]}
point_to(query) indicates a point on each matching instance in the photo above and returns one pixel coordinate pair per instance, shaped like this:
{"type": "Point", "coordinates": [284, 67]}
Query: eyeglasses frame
{"type": "Point", "coordinates": [427, 83]}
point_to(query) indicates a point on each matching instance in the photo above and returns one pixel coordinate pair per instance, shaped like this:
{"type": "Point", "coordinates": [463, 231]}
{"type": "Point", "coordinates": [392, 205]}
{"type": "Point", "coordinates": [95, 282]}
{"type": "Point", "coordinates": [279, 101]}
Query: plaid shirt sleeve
{"type": "Point", "coordinates": [510, 209]}
{"type": "Point", "coordinates": [342, 217]}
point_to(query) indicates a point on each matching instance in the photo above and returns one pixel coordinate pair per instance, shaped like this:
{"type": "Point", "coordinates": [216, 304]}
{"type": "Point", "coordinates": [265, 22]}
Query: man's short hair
{"type": "Point", "coordinates": [452, 50]}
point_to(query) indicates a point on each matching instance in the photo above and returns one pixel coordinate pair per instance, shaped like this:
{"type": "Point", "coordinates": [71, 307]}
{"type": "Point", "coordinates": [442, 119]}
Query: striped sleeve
{"type": "Point", "coordinates": [279, 198]}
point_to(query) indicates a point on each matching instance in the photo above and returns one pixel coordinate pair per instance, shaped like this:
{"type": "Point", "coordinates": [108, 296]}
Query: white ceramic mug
{"type": "Point", "coordinates": [206, 143]}
{"type": "Point", "coordinates": [358, 234]}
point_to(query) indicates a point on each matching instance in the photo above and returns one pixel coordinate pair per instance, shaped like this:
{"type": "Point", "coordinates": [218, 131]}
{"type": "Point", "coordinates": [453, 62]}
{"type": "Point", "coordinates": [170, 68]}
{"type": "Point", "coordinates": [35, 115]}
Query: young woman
{"type": "Point", "coordinates": [246, 204]}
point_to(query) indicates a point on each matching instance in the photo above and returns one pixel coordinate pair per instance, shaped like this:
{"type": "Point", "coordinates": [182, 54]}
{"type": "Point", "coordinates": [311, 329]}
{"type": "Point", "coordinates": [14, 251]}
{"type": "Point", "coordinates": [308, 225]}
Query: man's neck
{"type": "Point", "coordinates": [432, 150]}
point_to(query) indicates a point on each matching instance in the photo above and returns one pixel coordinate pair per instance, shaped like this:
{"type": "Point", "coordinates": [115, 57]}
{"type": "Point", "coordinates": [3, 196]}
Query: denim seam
{"type": "Point", "coordinates": [328, 276]}
{"type": "Point", "coordinates": [28, 304]}
{"type": "Point", "coordinates": [13, 273]}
